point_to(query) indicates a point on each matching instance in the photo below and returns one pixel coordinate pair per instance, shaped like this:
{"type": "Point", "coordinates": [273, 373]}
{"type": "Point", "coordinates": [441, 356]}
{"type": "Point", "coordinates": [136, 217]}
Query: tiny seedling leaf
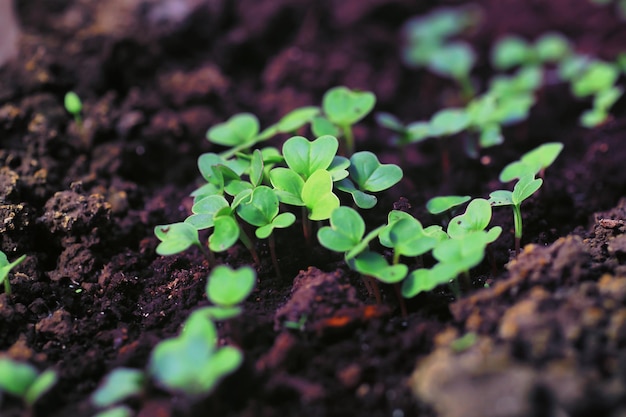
{"type": "Point", "coordinates": [72, 103]}
{"type": "Point", "coordinates": [175, 238]}
{"type": "Point", "coordinates": [346, 230]}
{"type": "Point", "coordinates": [448, 122]}
{"type": "Point", "coordinates": [524, 188]}
{"type": "Point", "coordinates": [40, 386]}
{"type": "Point", "coordinates": [119, 385]}
{"type": "Point", "coordinates": [16, 377]}
{"type": "Point", "coordinates": [552, 47]}
{"type": "Point", "coordinates": [509, 52]}
{"type": "Point", "coordinates": [288, 186]}
{"type": "Point", "coordinates": [317, 195]}
{"type": "Point", "coordinates": [370, 175]}
{"type": "Point", "coordinates": [227, 287]}
{"type": "Point", "coordinates": [225, 233]}
{"type": "Point", "coordinates": [261, 208]}
{"type": "Point", "coordinates": [241, 129]}
{"type": "Point", "coordinates": [345, 107]}
{"type": "Point", "coordinates": [375, 265]}
{"type": "Point", "coordinates": [361, 199]}
{"type": "Point", "coordinates": [305, 157]}
{"type": "Point", "coordinates": [422, 280]}
{"type": "Point", "coordinates": [476, 218]}
{"type": "Point", "coordinates": [454, 59]}
{"type": "Point", "coordinates": [321, 126]}
{"type": "Point", "coordinates": [440, 204]}
{"type": "Point", "coordinates": [501, 198]}
{"type": "Point", "coordinates": [297, 118]}
{"type": "Point", "coordinates": [204, 211]}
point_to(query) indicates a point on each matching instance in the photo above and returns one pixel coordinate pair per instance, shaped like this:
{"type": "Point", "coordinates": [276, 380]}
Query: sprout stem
{"type": "Point", "coordinates": [7, 285]}
{"type": "Point", "coordinates": [306, 226]}
{"type": "Point", "coordinates": [208, 255]}
{"type": "Point", "coordinates": [245, 239]}
{"type": "Point", "coordinates": [349, 138]}
{"type": "Point", "coordinates": [467, 89]}
{"type": "Point", "coordinates": [517, 220]}
{"type": "Point", "coordinates": [376, 288]}
{"type": "Point", "coordinates": [398, 291]}
{"type": "Point", "coordinates": [272, 245]}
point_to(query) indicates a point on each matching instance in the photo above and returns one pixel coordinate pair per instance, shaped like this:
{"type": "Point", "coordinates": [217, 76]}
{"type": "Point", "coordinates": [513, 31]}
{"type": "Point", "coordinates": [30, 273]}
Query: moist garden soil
{"type": "Point", "coordinates": [82, 202]}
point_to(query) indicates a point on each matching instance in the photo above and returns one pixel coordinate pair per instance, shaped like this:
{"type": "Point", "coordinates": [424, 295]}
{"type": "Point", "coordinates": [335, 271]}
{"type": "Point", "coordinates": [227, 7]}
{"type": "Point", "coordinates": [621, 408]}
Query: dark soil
{"type": "Point", "coordinates": [93, 295]}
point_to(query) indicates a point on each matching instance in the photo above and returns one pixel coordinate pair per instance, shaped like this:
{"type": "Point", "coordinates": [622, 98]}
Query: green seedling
{"type": "Point", "coordinates": [524, 188]}
{"type": "Point", "coordinates": [305, 157]}
{"type": "Point", "coordinates": [442, 204]}
{"type": "Point", "coordinates": [368, 174]}
{"type": "Point", "coordinates": [512, 51]}
{"type": "Point", "coordinates": [455, 60]}
{"type": "Point", "coordinates": [525, 81]}
{"type": "Point", "coordinates": [596, 76]}
{"type": "Point", "coordinates": [176, 238]}
{"type": "Point", "coordinates": [204, 211]}
{"type": "Point", "coordinates": [193, 363]}
{"type": "Point", "coordinates": [315, 195]}
{"type": "Point", "coordinates": [602, 102]}
{"type": "Point", "coordinates": [475, 219]}
{"type": "Point", "coordinates": [533, 162]}
{"type": "Point", "coordinates": [259, 207]}
{"type": "Point", "coordinates": [407, 237]}
{"type": "Point", "coordinates": [297, 118]}
{"type": "Point", "coordinates": [5, 268]}
{"type": "Point", "coordinates": [239, 133]}
{"type": "Point", "coordinates": [118, 386]}
{"type": "Point", "coordinates": [22, 380]}
{"type": "Point", "coordinates": [346, 233]}
{"type": "Point", "coordinates": [226, 288]}
{"type": "Point", "coordinates": [344, 108]}
{"type": "Point", "coordinates": [222, 175]}
{"type": "Point", "coordinates": [74, 106]}
{"type": "Point", "coordinates": [456, 257]}
{"type": "Point", "coordinates": [226, 232]}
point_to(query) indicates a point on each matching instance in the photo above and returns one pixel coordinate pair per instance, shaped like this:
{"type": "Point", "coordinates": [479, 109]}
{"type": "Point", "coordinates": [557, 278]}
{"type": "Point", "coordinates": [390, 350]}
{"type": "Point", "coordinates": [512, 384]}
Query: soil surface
{"type": "Point", "coordinates": [82, 201]}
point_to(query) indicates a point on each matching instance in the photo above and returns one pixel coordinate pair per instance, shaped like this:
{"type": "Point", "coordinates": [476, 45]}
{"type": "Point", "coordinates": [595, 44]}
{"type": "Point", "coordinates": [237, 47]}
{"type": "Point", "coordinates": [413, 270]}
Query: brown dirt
{"type": "Point", "coordinates": [92, 294]}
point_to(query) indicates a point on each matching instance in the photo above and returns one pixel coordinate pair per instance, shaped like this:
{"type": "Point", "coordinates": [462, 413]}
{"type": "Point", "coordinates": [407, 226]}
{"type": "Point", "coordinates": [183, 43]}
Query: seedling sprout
{"type": "Point", "coordinates": [5, 268]}
{"type": "Point", "coordinates": [74, 106]}
{"type": "Point", "coordinates": [535, 162]}
{"type": "Point", "coordinates": [524, 188]}
{"type": "Point", "coordinates": [22, 380]}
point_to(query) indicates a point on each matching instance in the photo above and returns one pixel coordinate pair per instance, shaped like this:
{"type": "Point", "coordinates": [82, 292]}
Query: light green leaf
{"type": "Point", "coordinates": [318, 196]}
{"type": "Point", "coordinates": [346, 230]}
{"type": "Point", "coordinates": [238, 130]}
{"type": "Point", "coordinates": [306, 157]}
{"type": "Point", "coordinates": [227, 287]}
{"type": "Point", "coordinates": [345, 107]}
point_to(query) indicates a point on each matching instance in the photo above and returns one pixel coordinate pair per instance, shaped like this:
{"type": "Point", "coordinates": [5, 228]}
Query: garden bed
{"type": "Point", "coordinates": [81, 202]}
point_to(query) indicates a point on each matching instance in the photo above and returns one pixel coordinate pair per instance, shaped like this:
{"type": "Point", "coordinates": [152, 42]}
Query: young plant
{"type": "Point", "coordinates": [22, 380]}
{"type": "Point", "coordinates": [227, 288]}
{"type": "Point", "coordinates": [532, 162]}
{"type": "Point", "coordinates": [456, 257]}
{"type": "Point", "coordinates": [5, 268]}
{"type": "Point", "coordinates": [368, 174]}
{"type": "Point", "coordinates": [475, 219]}
{"type": "Point", "coordinates": [74, 106]}
{"type": "Point", "coordinates": [315, 195]}
{"type": "Point", "coordinates": [259, 207]}
{"type": "Point", "coordinates": [193, 363]}
{"type": "Point", "coordinates": [118, 386]}
{"type": "Point", "coordinates": [526, 186]}
{"type": "Point", "coordinates": [512, 51]}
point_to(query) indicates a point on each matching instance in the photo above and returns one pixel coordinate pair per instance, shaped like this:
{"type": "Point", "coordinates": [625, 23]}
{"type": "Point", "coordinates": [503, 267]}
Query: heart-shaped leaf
{"type": "Point", "coordinates": [524, 188]}
{"type": "Point", "coordinates": [422, 280]}
{"type": "Point", "coordinates": [317, 195]}
{"type": "Point", "coordinates": [240, 129]}
{"type": "Point", "coordinates": [261, 208]}
{"type": "Point", "coordinates": [375, 265]}
{"type": "Point", "coordinates": [346, 230]}
{"type": "Point", "coordinates": [407, 237]}
{"type": "Point", "coordinates": [227, 287]}
{"type": "Point", "coordinates": [288, 186]}
{"type": "Point", "coordinates": [175, 238]}
{"type": "Point", "coordinates": [305, 157]}
{"type": "Point", "coordinates": [345, 107]}
{"type": "Point", "coordinates": [225, 233]}
{"type": "Point", "coordinates": [370, 175]}
{"type": "Point", "coordinates": [476, 218]}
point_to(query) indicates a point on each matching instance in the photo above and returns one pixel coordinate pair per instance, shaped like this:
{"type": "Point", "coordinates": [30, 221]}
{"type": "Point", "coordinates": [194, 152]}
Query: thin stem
{"type": "Point", "coordinates": [400, 298]}
{"type": "Point", "coordinates": [376, 289]}
{"type": "Point", "coordinates": [368, 285]}
{"type": "Point", "coordinates": [467, 89]}
{"type": "Point", "coordinates": [466, 282]}
{"type": "Point", "coordinates": [208, 255]}
{"type": "Point", "coordinates": [7, 285]}
{"type": "Point", "coordinates": [247, 242]}
{"type": "Point", "coordinates": [272, 245]}
{"type": "Point", "coordinates": [517, 220]}
{"type": "Point", "coordinates": [454, 287]}
{"type": "Point", "coordinates": [349, 138]}
{"type": "Point", "coordinates": [306, 226]}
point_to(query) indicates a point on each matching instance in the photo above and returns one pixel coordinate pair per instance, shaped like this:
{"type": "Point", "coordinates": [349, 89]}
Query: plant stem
{"type": "Point", "coordinates": [376, 289]}
{"type": "Point", "coordinates": [465, 281]}
{"type": "Point", "coordinates": [7, 285]}
{"type": "Point", "coordinates": [245, 239]}
{"type": "Point", "coordinates": [208, 255]}
{"type": "Point", "coordinates": [306, 226]}
{"type": "Point", "coordinates": [398, 291]}
{"type": "Point", "coordinates": [517, 220]}
{"type": "Point", "coordinates": [349, 139]}
{"type": "Point", "coordinates": [272, 245]}
{"type": "Point", "coordinates": [467, 89]}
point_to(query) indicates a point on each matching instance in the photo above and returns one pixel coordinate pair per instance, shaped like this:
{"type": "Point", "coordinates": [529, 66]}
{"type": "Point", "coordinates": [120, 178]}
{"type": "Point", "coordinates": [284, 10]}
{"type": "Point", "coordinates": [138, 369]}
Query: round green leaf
{"type": "Point", "coordinates": [524, 188]}
{"type": "Point", "coordinates": [227, 287]}
{"type": "Point", "coordinates": [16, 377]}
{"type": "Point", "coordinates": [345, 107]}
{"type": "Point", "coordinates": [175, 238]}
{"type": "Point", "coordinates": [119, 385]}
{"type": "Point", "coordinates": [455, 59]}
{"type": "Point", "coordinates": [225, 233]}
{"type": "Point", "coordinates": [440, 204]}
{"type": "Point", "coordinates": [318, 196]}
{"type": "Point", "coordinates": [288, 186]}
{"type": "Point", "coordinates": [375, 265]}
{"type": "Point", "coordinates": [448, 122]}
{"type": "Point", "coordinates": [510, 51]}
{"type": "Point", "coordinates": [240, 129]}
{"type": "Point", "coordinates": [346, 230]}
{"type": "Point", "coordinates": [261, 208]}
{"type": "Point", "coordinates": [297, 118]}
{"type": "Point", "coordinates": [72, 103]}
{"type": "Point", "coordinates": [305, 157]}
{"type": "Point", "coordinates": [476, 218]}
{"type": "Point", "coordinates": [370, 175]}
